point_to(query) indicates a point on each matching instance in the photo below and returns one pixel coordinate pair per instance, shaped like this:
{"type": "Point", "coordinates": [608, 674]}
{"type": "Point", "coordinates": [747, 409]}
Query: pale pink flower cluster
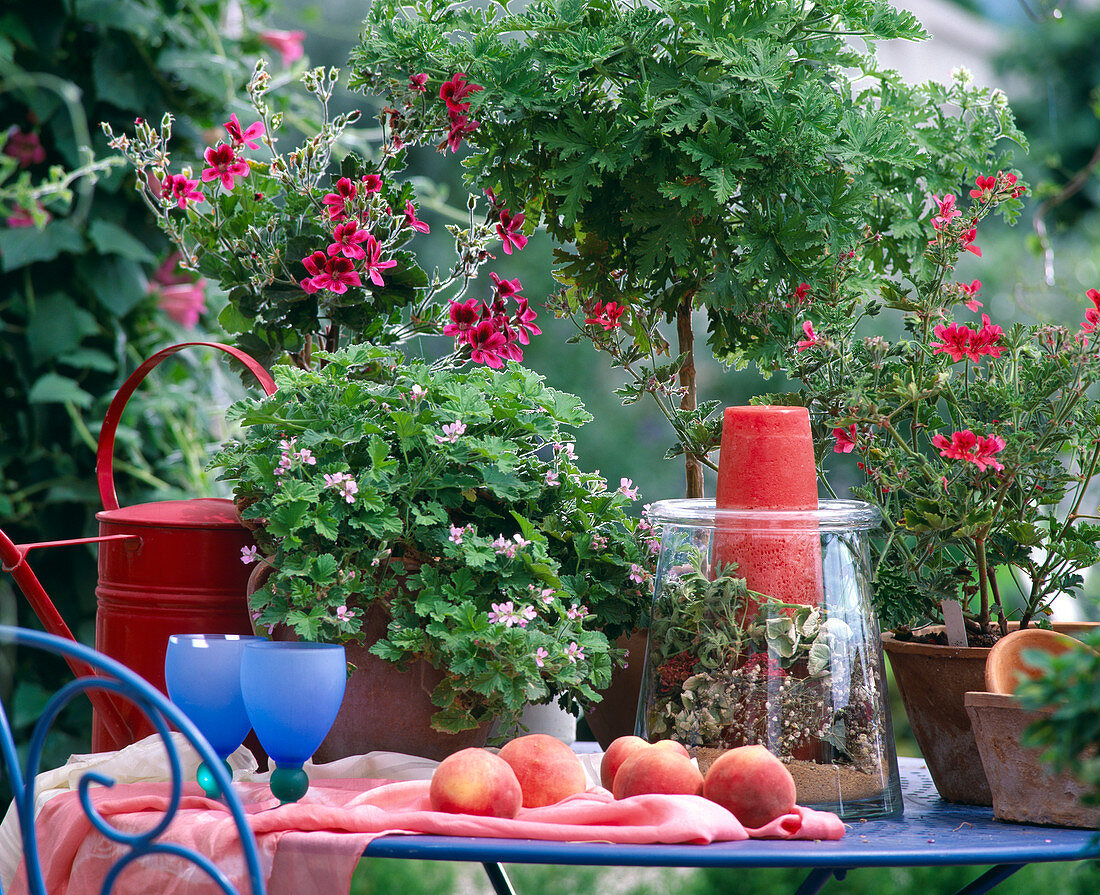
{"type": "Point", "coordinates": [628, 489]}
{"type": "Point", "coordinates": [541, 655]}
{"type": "Point", "coordinates": [451, 432]}
{"type": "Point", "coordinates": [344, 614]}
{"type": "Point", "coordinates": [249, 555]}
{"type": "Point", "coordinates": [457, 531]}
{"type": "Point", "coordinates": [574, 652]}
{"type": "Point", "coordinates": [546, 594]}
{"type": "Point", "coordinates": [577, 611]}
{"type": "Point", "coordinates": [344, 483]}
{"type": "Point", "coordinates": [637, 574]}
{"type": "Point", "coordinates": [507, 615]}
{"type": "Point", "coordinates": [290, 456]}
{"type": "Point", "coordinates": [565, 449]}
{"type": "Point", "coordinates": [502, 546]}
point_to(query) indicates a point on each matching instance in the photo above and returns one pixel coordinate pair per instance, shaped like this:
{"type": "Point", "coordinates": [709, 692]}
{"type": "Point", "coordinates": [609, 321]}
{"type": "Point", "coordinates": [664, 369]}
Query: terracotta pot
{"type": "Point", "coordinates": [388, 710]}
{"type": "Point", "coordinates": [933, 681]}
{"type": "Point", "coordinates": [617, 713]}
{"type": "Point", "coordinates": [1024, 790]}
{"type": "Point", "coordinates": [1005, 667]}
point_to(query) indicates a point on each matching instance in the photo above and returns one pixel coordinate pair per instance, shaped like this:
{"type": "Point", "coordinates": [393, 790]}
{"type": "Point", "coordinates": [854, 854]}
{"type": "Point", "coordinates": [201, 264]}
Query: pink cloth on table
{"type": "Point", "coordinates": [315, 844]}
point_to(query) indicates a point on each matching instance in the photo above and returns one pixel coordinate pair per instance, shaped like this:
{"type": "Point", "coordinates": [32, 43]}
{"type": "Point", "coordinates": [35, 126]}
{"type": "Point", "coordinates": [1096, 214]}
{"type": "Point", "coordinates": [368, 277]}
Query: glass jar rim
{"type": "Point", "coordinates": [830, 515]}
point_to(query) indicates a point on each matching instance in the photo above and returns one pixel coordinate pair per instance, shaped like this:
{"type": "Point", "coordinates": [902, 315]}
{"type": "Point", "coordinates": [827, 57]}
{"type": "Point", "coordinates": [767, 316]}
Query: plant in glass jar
{"type": "Point", "coordinates": [444, 507]}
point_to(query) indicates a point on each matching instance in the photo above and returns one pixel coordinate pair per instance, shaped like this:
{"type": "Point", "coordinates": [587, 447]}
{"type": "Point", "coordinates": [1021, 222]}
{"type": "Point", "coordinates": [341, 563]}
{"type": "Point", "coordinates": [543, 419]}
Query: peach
{"type": "Point", "coordinates": [625, 747]}
{"type": "Point", "coordinates": [752, 784]}
{"type": "Point", "coordinates": [475, 781]}
{"type": "Point", "coordinates": [619, 751]}
{"type": "Point", "coordinates": [547, 769]}
{"type": "Point", "coordinates": [654, 770]}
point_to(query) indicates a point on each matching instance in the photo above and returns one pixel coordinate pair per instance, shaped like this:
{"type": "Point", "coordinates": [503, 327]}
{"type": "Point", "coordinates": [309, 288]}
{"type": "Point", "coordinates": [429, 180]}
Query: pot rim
{"type": "Point", "coordinates": [830, 515]}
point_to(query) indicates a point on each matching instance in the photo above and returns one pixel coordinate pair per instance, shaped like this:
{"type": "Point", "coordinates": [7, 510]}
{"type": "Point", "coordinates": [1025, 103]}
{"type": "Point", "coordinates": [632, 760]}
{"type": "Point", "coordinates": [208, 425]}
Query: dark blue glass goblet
{"type": "Point", "coordinates": [203, 674]}
{"type": "Point", "coordinates": [292, 692]}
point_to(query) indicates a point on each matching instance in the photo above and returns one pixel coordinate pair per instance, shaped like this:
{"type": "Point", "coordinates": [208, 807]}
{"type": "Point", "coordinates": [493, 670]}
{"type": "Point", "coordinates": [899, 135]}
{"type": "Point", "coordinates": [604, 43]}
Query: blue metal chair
{"type": "Point", "coordinates": [114, 678]}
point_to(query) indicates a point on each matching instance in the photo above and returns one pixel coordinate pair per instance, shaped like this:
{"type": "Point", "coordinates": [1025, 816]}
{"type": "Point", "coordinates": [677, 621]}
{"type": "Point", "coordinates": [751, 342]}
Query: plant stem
{"type": "Point", "coordinates": [693, 469]}
{"type": "Point", "coordinates": [983, 583]}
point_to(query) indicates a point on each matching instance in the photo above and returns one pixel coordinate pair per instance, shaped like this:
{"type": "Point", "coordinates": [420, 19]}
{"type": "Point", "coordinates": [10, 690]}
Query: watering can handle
{"type": "Point", "coordinates": [105, 455]}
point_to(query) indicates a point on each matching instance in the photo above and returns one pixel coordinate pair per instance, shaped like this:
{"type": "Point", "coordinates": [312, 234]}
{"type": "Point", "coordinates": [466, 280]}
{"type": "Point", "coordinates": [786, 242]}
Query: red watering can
{"type": "Point", "coordinates": [169, 567]}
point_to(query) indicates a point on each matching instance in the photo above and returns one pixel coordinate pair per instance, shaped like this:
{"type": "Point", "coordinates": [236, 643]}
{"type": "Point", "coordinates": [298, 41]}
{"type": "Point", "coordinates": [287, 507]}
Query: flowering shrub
{"type": "Point", "coordinates": [687, 156]}
{"type": "Point", "coordinates": [451, 503]}
{"type": "Point", "coordinates": [312, 257]}
{"type": "Point", "coordinates": [977, 444]}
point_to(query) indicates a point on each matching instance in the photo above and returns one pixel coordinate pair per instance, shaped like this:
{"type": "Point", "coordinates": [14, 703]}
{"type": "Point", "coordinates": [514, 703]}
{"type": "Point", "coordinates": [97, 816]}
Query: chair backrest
{"type": "Point", "coordinates": [114, 678]}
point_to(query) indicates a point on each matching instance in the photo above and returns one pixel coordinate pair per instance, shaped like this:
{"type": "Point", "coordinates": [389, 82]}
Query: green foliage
{"type": "Point", "coordinates": [1069, 733]}
{"type": "Point", "coordinates": [448, 505]}
{"type": "Point", "coordinates": [977, 444]}
{"type": "Point", "coordinates": [690, 154]}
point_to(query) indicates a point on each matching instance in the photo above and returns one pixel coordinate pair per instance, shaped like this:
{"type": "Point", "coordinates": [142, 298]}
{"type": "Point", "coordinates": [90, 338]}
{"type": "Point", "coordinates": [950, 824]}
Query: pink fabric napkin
{"type": "Point", "coordinates": [314, 845]}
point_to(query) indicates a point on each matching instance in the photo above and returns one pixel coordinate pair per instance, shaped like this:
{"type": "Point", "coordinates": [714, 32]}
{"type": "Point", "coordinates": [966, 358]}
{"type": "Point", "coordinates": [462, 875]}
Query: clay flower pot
{"type": "Point", "coordinates": [1024, 789]}
{"type": "Point", "coordinates": [933, 681]}
{"type": "Point", "coordinates": [1006, 667]}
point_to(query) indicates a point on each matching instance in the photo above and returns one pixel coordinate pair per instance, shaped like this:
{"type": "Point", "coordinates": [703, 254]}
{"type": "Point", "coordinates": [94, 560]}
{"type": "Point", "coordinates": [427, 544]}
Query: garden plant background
{"type": "Point", "coordinates": [79, 308]}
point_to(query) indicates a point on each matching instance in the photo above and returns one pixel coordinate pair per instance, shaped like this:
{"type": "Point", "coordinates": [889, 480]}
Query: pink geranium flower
{"type": "Point", "coordinates": [224, 165]}
{"type": "Point", "coordinates": [967, 241]}
{"type": "Point", "coordinates": [986, 185]}
{"type": "Point", "coordinates": [372, 183]}
{"type": "Point", "coordinates": [487, 344]}
{"type": "Point", "coordinates": [374, 266]}
{"type": "Point", "coordinates": [25, 148]}
{"type": "Point", "coordinates": [971, 292]}
{"type": "Point", "coordinates": [505, 288]}
{"type": "Point", "coordinates": [945, 210]}
{"type": "Point", "coordinates": [811, 337]}
{"type": "Point", "coordinates": [455, 90]}
{"type": "Point", "coordinates": [967, 446]}
{"type": "Point", "coordinates": [845, 440]}
{"type": "Point", "coordinates": [418, 82]}
{"type": "Point", "coordinates": [347, 239]}
{"type": "Point", "coordinates": [464, 317]}
{"type": "Point", "coordinates": [461, 126]}
{"type": "Point", "coordinates": [524, 318]}
{"type": "Point", "coordinates": [337, 202]}
{"type": "Point", "coordinates": [247, 137]}
{"type": "Point", "coordinates": [606, 315]}
{"type": "Point", "coordinates": [508, 229]}
{"type": "Point", "coordinates": [411, 220]}
{"type": "Point", "coordinates": [288, 44]}
{"type": "Point", "coordinates": [182, 190]}
{"type": "Point", "coordinates": [955, 340]}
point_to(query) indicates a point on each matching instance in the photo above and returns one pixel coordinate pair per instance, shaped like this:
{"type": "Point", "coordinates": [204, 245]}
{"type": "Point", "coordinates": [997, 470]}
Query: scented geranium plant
{"type": "Point", "coordinates": [448, 502]}
{"type": "Point", "coordinates": [692, 158]}
{"type": "Point", "coordinates": [314, 254]}
{"type": "Point", "coordinates": [977, 443]}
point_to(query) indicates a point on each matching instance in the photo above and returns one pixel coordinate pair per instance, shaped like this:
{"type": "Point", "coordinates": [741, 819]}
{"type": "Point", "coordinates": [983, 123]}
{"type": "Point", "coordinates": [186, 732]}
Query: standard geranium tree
{"type": "Point", "coordinates": [688, 156]}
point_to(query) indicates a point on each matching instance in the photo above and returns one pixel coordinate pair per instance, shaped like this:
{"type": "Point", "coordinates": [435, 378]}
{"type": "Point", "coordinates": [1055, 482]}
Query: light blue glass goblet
{"type": "Point", "coordinates": [292, 692]}
{"type": "Point", "coordinates": [203, 674]}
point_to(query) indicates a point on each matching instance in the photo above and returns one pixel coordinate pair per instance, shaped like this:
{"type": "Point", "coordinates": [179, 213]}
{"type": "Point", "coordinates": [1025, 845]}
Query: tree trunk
{"type": "Point", "coordinates": [693, 469]}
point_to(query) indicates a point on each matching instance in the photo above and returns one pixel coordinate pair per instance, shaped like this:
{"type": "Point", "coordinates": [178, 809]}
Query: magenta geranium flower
{"type": "Point", "coordinates": [461, 126]}
{"type": "Point", "coordinates": [411, 220]}
{"type": "Point", "coordinates": [179, 188]}
{"type": "Point", "coordinates": [418, 82]}
{"type": "Point", "coordinates": [372, 183]}
{"type": "Point", "coordinates": [455, 90]}
{"type": "Point", "coordinates": [524, 318]}
{"type": "Point", "coordinates": [25, 148]}
{"type": "Point", "coordinates": [508, 229]}
{"type": "Point", "coordinates": [347, 240]}
{"type": "Point", "coordinates": [487, 344]}
{"type": "Point", "coordinates": [337, 274]}
{"type": "Point", "coordinates": [288, 44]}
{"type": "Point", "coordinates": [845, 440]}
{"type": "Point", "coordinates": [967, 446]}
{"type": "Point", "coordinates": [606, 315]}
{"type": "Point", "coordinates": [248, 136]}
{"type": "Point", "coordinates": [337, 202]}
{"type": "Point", "coordinates": [811, 337]}
{"type": "Point", "coordinates": [224, 165]}
{"type": "Point", "coordinates": [464, 317]}
{"type": "Point", "coordinates": [373, 265]}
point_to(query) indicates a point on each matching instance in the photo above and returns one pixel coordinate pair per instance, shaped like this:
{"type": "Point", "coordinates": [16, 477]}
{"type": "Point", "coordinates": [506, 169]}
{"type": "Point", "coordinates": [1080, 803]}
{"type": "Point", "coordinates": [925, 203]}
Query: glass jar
{"type": "Point", "coordinates": [762, 632]}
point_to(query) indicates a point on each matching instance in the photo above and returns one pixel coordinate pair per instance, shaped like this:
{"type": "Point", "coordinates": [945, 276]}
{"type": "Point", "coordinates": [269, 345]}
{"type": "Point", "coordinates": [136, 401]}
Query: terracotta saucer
{"type": "Point", "coordinates": [1005, 667]}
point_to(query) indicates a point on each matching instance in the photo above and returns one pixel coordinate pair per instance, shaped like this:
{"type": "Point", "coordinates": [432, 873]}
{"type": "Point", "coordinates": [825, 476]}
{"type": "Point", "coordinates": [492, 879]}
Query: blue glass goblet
{"type": "Point", "coordinates": [203, 674]}
{"type": "Point", "coordinates": [292, 692]}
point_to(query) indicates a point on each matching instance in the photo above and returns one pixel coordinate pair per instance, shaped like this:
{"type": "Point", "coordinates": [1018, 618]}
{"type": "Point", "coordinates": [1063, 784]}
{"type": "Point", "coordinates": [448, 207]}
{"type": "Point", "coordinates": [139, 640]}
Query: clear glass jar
{"type": "Point", "coordinates": [781, 649]}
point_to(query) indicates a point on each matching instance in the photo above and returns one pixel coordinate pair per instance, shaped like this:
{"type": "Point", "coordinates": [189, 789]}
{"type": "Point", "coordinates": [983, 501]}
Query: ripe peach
{"type": "Point", "coordinates": [547, 769]}
{"type": "Point", "coordinates": [752, 784]}
{"type": "Point", "coordinates": [619, 751]}
{"type": "Point", "coordinates": [654, 770]}
{"type": "Point", "coordinates": [475, 781]}
{"type": "Point", "coordinates": [673, 746]}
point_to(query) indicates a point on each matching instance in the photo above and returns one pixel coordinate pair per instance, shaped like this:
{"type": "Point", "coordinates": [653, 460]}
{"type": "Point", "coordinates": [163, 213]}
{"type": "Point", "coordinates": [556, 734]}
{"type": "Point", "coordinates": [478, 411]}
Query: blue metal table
{"type": "Point", "coordinates": [931, 832]}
